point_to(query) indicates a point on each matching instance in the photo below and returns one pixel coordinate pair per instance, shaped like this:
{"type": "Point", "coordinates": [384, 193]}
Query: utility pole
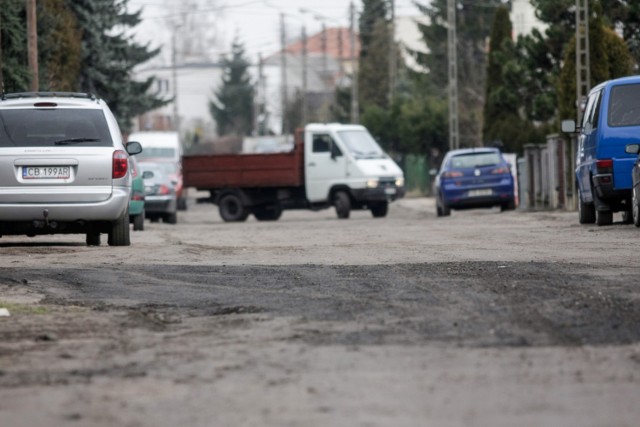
{"type": "Point", "coordinates": [174, 77]}
{"type": "Point", "coordinates": [32, 44]}
{"type": "Point", "coordinates": [454, 137]}
{"type": "Point", "coordinates": [283, 73]}
{"type": "Point", "coordinates": [583, 69]}
{"type": "Point", "coordinates": [392, 53]}
{"type": "Point", "coordinates": [583, 78]}
{"type": "Point", "coordinates": [355, 115]}
{"type": "Point", "coordinates": [304, 76]}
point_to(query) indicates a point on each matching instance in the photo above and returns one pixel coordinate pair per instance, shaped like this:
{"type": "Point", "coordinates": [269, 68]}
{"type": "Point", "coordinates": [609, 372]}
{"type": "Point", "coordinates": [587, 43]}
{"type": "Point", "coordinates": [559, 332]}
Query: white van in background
{"type": "Point", "coordinates": [165, 149]}
{"type": "Point", "coordinates": [158, 145]}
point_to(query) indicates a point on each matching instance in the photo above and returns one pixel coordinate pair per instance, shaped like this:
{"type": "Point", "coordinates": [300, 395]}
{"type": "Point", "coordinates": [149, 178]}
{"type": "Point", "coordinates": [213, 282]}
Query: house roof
{"type": "Point", "coordinates": [338, 44]}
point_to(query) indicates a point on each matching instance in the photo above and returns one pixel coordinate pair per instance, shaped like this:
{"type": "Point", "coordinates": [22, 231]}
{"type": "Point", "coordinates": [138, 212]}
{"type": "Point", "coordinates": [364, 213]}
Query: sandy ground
{"type": "Point", "coordinates": [479, 319]}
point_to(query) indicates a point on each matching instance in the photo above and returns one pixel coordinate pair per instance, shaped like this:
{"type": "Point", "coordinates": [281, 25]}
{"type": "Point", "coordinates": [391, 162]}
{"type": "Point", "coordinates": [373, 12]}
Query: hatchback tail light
{"type": "Point", "coordinates": [500, 171]}
{"type": "Point", "coordinates": [452, 174]}
{"type": "Point", "coordinates": [120, 164]}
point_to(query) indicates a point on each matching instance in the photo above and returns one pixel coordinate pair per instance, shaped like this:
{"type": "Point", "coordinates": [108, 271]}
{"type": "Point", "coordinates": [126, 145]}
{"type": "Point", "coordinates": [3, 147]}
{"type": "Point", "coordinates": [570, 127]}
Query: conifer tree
{"type": "Point", "coordinates": [373, 71]}
{"type": "Point", "coordinates": [109, 56]}
{"type": "Point", "coordinates": [232, 106]}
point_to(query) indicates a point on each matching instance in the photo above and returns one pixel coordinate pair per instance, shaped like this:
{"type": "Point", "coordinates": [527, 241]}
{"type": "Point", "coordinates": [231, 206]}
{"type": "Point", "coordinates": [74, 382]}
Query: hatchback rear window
{"type": "Point", "coordinates": [473, 160]}
{"type": "Point", "coordinates": [55, 126]}
{"type": "Point", "coordinates": [624, 105]}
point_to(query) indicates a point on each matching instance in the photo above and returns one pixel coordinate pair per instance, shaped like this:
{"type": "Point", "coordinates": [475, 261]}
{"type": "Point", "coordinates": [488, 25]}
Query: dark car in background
{"type": "Point", "coordinates": [473, 178]}
{"type": "Point", "coordinates": [160, 200]}
{"type": "Point", "coordinates": [174, 171]}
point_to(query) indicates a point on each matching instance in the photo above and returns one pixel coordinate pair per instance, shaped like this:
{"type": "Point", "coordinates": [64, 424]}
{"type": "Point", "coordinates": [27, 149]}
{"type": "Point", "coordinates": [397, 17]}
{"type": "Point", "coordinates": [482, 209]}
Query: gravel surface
{"type": "Point", "coordinates": [478, 319]}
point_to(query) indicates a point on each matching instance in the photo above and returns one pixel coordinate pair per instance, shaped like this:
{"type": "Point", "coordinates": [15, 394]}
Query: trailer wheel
{"type": "Point", "coordinates": [342, 202]}
{"type": "Point", "coordinates": [268, 213]}
{"type": "Point", "coordinates": [231, 208]}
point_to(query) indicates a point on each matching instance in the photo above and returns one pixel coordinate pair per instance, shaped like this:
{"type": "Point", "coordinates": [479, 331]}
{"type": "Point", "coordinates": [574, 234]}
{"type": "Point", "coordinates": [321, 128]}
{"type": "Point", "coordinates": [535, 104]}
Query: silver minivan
{"type": "Point", "coordinates": [63, 167]}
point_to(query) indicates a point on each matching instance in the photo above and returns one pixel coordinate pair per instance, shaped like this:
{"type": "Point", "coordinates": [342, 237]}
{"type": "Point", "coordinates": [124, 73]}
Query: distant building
{"type": "Point", "coordinates": [523, 18]}
{"type": "Point", "coordinates": [195, 86]}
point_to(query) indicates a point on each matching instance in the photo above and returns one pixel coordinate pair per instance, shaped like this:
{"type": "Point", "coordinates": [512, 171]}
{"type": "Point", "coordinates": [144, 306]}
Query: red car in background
{"type": "Point", "coordinates": [174, 171]}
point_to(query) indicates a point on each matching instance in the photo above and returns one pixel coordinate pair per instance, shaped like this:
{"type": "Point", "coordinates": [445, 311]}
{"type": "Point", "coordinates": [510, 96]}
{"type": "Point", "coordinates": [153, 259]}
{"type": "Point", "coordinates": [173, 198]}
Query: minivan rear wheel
{"type": "Point", "coordinates": [119, 233]}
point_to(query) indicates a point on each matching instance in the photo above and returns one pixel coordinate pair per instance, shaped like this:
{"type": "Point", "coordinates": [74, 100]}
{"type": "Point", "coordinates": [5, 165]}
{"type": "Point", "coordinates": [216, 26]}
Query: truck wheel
{"type": "Point", "coordinates": [604, 217]}
{"type": "Point", "coordinates": [342, 202]}
{"type": "Point", "coordinates": [380, 210]}
{"type": "Point", "coordinates": [119, 233]}
{"type": "Point", "coordinates": [231, 208]}
{"type": "Point", "coordinates": [93, 239]}
{"type": "Point", "coordinates": [586, 211]}
{"type": "Point", "coordinates": [268, 213]}
{"type": "Point", "coordinates": [182, 204]}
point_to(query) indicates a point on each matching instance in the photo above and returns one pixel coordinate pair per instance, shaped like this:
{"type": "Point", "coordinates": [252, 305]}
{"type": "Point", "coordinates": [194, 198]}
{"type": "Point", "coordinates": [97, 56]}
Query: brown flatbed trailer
{"type": "Point", "coordinates": [241, 184]}
{"type": "Point", "coordinates": [216, 171]}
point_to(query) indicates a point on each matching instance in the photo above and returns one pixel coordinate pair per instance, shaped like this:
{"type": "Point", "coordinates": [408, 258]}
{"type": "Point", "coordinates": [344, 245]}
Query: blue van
{"type": "Point", "coordinates": [611, 120]}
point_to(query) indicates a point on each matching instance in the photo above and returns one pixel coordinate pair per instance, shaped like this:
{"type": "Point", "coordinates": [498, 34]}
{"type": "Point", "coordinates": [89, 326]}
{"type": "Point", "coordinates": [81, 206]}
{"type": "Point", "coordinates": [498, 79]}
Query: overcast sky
{"type": "Point", "coordinates": [256, 22]}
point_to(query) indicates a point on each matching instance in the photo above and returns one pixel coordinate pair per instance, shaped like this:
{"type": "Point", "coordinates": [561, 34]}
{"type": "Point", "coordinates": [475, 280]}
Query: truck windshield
{"type": "Point", "coordinates": [361, 144]}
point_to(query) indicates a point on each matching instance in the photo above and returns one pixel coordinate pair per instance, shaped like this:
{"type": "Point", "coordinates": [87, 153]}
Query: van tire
{"type": "Point", "coordinates": [232, 209]}
{"type": "Point", "coordinates": [342, 202]}
{"type": "Point", "coordinates": [635, 207]}
{"type": "Point", "coordinates": [119, 233]}
{"type": "Point", "coordinates": [586, 211]}
{"type": "Point", "coordinates": [380, 210]}
{"type": "Point", "coordinates": [604, 218]}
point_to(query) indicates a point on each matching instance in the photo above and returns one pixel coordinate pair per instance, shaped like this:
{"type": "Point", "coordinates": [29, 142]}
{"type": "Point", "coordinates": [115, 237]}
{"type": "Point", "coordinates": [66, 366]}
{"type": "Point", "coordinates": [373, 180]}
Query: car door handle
{"type": "Point", "coordinates": [311, 164]}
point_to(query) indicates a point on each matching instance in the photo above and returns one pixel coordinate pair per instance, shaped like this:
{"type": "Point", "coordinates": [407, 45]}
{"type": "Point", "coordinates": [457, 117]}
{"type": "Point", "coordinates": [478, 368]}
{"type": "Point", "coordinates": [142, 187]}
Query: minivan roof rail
{"type": "Point", "coordinates": [19, 95]}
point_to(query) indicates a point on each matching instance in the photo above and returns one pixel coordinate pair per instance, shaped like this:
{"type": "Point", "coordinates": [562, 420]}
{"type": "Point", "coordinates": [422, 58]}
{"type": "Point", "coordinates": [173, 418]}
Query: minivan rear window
{"type": "Point", "coordinates": [624, 106]}
{"type": "Point", "coordinates": [46, 127]}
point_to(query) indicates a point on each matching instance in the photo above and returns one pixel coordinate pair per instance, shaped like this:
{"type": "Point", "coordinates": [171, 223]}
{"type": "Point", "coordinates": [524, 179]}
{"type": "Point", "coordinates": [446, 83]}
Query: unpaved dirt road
{"type": "Point", "coordinates": [479, 319]}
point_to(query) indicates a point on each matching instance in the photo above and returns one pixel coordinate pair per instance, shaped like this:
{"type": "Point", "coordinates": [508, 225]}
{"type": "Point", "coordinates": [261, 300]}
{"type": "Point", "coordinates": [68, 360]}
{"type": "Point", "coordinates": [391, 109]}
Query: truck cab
{"type": "Point", "coordinates": [346, 167]}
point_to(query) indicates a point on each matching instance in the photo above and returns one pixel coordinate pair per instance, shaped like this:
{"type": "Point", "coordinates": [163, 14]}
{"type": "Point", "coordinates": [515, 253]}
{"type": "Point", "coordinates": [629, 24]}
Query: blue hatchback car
{"type": "Point", "coordinates": [473, 178]}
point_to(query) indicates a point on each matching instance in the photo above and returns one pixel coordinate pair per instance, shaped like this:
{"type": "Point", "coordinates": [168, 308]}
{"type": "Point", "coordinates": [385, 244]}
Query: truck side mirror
{"type": "Point", "coordinates": [569, 126]}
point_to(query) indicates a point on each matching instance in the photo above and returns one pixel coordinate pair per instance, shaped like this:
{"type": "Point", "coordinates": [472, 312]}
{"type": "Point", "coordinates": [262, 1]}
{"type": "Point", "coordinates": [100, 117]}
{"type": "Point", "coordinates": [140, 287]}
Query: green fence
{"type": "Point", "coordinates": [416, 175]}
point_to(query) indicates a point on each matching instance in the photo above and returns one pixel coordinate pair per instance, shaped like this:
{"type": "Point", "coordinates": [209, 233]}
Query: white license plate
{"type": "Point", "coordinates": [389, 191]}
{"type": "Point", "coordinates": [46, 172]}
{"type": "Point", "coordinates": [479, 193]}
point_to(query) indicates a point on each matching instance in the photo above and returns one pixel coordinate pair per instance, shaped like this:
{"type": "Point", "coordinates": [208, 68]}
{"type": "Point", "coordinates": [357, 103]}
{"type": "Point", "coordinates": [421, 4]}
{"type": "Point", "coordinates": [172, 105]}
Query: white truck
{"type": "Point", "coordinates": [330, 165]}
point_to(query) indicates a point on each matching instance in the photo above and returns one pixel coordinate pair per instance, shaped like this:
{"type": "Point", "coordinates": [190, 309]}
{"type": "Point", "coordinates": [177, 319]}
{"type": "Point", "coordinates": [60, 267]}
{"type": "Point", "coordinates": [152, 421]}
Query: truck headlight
{"type": "Point", "coordinates": [372, 183]}
{"type": "Point", "coordinates": [400, 182]}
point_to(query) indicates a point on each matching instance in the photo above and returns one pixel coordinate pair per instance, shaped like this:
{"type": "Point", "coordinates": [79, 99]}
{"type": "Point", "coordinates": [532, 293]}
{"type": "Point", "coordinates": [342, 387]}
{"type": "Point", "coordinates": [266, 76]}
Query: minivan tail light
{"type": "Point", "coordinates": [120, 164]}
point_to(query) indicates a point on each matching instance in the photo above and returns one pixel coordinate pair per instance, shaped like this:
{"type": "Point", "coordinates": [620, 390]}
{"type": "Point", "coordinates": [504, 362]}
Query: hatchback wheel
{"type": "Point", "coordinates": [170, 218]}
